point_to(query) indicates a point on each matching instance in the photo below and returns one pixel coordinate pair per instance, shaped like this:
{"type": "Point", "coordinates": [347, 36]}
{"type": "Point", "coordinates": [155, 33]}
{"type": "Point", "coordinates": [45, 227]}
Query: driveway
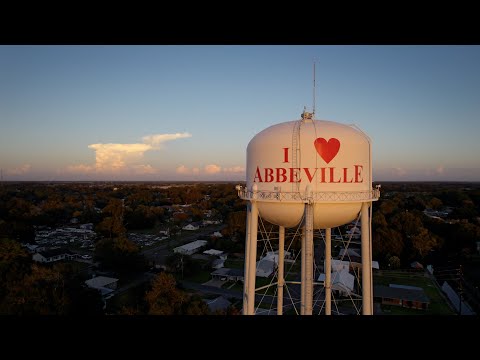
{"type": "Point", "coordinates": [215, 283]}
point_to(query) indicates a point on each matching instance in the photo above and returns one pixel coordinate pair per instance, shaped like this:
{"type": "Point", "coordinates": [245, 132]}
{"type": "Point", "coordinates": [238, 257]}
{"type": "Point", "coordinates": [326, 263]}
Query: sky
{"type": "Point", "coordinates": [188, 112]}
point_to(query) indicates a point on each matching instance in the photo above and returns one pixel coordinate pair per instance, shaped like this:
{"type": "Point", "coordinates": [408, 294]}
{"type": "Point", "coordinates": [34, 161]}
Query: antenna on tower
{"type": "Point", "coordinates": [314, 88]}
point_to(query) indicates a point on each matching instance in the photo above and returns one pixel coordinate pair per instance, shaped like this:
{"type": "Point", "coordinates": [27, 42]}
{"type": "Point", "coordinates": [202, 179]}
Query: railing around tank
{"type": "Point", "coordinates": [304, 197]}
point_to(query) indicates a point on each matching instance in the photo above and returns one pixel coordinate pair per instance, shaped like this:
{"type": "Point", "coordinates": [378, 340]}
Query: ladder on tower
{"type": "Point", "coordinates": [296, 155]}
{"type": "Point", "coordinates": [296, 152]}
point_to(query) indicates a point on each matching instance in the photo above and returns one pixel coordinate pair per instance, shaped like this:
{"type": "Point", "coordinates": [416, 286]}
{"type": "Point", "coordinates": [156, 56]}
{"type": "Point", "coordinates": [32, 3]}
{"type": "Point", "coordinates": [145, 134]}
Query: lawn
{"type": "Point", "coordinates": [234, 264]}
{"type": "Point", "coordinates": [200, 276]}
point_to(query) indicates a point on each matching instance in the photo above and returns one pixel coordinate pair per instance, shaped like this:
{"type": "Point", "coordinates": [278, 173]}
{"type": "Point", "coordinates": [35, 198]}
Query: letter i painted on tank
{"type": "Point", "coordinates": [285, 155]}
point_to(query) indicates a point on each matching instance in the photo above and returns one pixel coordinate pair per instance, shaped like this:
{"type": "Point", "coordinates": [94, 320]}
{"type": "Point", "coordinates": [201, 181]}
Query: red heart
{"type": "Point", "coordinates": [327, 150]}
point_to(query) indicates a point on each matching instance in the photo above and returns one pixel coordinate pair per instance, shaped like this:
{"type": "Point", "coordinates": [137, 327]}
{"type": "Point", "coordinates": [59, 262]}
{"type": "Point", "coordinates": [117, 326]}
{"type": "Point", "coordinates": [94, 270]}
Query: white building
{"type": "Point", "coordinates": [190, 248]}
{"type": "Point", "coordinates": [342, 281]}
{"type": "Point", "coordinates": [52, 255]}
{"type": "Point", "coordinates": [191, 227]}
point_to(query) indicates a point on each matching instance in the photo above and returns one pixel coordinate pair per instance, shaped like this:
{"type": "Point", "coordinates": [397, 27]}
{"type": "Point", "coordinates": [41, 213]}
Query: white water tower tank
{"type": "Point", "coordinates": [333, 158]}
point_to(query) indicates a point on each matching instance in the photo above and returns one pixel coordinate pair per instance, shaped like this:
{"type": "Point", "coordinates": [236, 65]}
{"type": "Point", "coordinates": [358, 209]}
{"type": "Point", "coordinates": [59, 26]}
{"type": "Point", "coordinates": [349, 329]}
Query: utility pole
{"type": "Point", "coordinates": [181, 261]}
{"type": "Point", "coordinates": [460, 290]}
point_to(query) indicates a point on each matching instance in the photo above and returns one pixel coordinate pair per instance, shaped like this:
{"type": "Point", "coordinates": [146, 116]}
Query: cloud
{"type": "Point", "coordinates": [212, 169]}
{"type": "Point", "coordinates": [114, 157]}
{"type": "Point", "coordinates": [120, 158]}
{"type": "Point", "coordinates": [234, 169]}
{"type": "Point", "coordinates": [21, 170]}
{"type": "Point", "coordinates": [182, 169]}
{"type": "Point", "coordinates": [157, 139]}
{"type": "Point", "coordinates": [209, 169]}
{"type": "Point", "coordinates": [144, 169]}
{"type": "Point", "coordinates": [399, 171]}
{"type": "Point", "coordinates": [440, 169]}
{"type": "Point", "coordinates": [80, 168]}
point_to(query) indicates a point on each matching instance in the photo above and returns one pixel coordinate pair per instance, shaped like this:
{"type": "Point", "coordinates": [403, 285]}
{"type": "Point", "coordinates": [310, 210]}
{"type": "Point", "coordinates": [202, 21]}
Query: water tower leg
{"type": "Point", "coordinates": [247, 261]}
{"type": "Point", "coordinates": [281, 256]}
{"type": "Point", "coordinates": [302, 286]}
{"type": "Point", "coordinates": [252, 267]}
{"type": "Point", "coordinates": [308, 259]}
{"type": "Point", "coordinates": [328, 271]}
{"type": "Point", "coordinates": [366, 262]}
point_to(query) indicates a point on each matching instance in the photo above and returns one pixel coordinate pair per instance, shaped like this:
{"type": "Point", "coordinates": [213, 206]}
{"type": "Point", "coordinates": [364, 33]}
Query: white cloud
{"type": "Point", "coordinates": [234, 169]}
{"type": "Point", "coordinates": [212, 169]}
{"type": "Point", "coordinates": [182, 169]}
{"type": "Point", "coordinates": [157, 139]}
{"type": "Point", "coordinates": [114, 157]}
{"type": "Point", "coordinates": [117, 158]}
{"type": "Point", "coordinates": [21, 170]}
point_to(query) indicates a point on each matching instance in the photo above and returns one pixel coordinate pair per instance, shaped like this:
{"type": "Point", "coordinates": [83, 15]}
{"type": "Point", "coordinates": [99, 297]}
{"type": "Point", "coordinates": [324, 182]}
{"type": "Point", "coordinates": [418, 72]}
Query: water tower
{"type": "Point", "coordinates": [313, 175]}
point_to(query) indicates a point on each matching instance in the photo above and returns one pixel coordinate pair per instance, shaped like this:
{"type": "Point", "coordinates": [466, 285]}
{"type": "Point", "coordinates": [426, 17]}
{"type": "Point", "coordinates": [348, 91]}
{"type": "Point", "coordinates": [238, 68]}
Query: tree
{"type": "Point", "coordinates": [182, 264]}
{"type": "Point", "coordinates": [42, 292]}
{"type": "Point", "coordinates": [435, 203]}
{"type": "Point", "coordinates": [423, 242]}
{"type": "Point", "coordinates": [236, 225]}
{"type": "Point", "coordinates": [195, 306]}
{"type": "Point", "coordinates": [112, 226]}
{"type": "Point", "coordinates": [394, 262]}
{"type": "Point", "coordinates": [15, 263]}
{"type": "Point", "coordinates": [119, 254]}
{"type": "Point", "coordinates": [164, 298]}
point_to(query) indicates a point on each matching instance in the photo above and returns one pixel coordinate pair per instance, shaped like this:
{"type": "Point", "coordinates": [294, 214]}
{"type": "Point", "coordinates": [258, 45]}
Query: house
{"type": "Point", "coordinates": [265, 267]}
{"type": "Point", "coordinates": [416, 265]}
{"type": "Point", "coordinates": [339, 265]}
{"type": "Point", "coordinates": [349, 252]}
{"type": "Point", "coordinates": [228, 274]}
{"type": "Point", "coordinates": [213, 252]}
{"type": "Point", "coordinates": [218, 263]}
{"type": "Point", "coordinates": [190, 248]}
{"type": "Point", "coordinates": [102, 282]}
{"type": "Point", "coordinates": [106, 285]}
{"type": "Point", "coordinates": [164, 232]}
{"type": "Point", "coordinates": [32, 248]}
{"type": "Point", "coordinates": [211, 222]}
{"type": "Point", "coordinates": [218, 304]}
{"type": "Point", "coordinates": [88, 226]}
{"type": "Point", "coordinates": [401, 295]}
{"type": "Point", "coordinates": [342, 282]}
{"type": "Point", "coordinates": [273, 256]}
{"type": "Point", "coordinates": [52, 255]}
{"type": "Point", "coordinates": [355, 263]}
{"type": "Point", "coordinates": [191, 227]}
